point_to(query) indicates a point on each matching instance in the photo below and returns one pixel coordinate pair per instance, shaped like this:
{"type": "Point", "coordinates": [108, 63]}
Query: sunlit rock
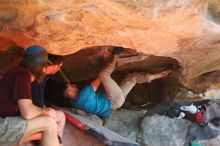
{"type": "Point", "coordinates": [185, 31]}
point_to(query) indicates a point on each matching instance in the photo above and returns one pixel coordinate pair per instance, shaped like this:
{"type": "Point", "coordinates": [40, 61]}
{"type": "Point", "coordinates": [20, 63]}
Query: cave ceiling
{"type": "Point", "coordinates": [182, 32]}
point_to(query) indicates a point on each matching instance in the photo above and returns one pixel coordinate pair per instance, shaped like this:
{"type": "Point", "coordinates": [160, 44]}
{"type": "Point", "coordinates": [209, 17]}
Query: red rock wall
{"type": "Point", "coordinates": [187, 31]}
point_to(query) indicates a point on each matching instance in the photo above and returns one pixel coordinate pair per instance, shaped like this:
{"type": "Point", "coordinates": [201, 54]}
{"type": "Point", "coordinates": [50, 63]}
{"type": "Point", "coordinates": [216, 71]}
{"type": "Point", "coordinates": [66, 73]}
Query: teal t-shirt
{"type": "Point", "coordinates": [92, 102]}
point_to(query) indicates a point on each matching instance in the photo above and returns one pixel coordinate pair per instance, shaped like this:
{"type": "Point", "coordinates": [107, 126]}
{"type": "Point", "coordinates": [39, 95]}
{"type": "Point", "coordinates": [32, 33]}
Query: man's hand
{"type": "Point", "coordinates": [50, 112]}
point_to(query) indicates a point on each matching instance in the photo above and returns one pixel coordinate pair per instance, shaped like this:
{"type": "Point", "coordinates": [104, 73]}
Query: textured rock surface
{"type": "Point", "coordinates": [211, 142]}
{"type": "Point", "coordinates": [184, 30]}
{"type": "Point", "coordinates": [181, 32]}
{"type": "Point", "coordinates": [128, 125]}
{"type": "Point", "coordinates": [10, 54]}
{"type": "Point", "coordinates": [160, 131]}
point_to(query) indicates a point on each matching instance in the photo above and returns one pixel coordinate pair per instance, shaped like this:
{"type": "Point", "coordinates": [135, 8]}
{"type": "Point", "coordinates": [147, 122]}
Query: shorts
{"type": "Point", "coordinates": [12, 130]}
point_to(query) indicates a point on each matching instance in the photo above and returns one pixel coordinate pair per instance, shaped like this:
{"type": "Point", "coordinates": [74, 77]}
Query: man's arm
{"type": "Point", "coordinates": [96, 83]}
{"type": "Point", "coordinates": [29, 111]}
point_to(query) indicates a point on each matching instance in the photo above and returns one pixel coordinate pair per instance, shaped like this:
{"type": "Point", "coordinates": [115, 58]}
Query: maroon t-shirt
{"type": "Point", "coordinates": [15, 85]}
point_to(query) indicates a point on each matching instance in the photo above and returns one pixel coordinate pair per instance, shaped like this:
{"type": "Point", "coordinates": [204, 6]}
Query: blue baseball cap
{"type": "Point", "coordinates": [35, 54]}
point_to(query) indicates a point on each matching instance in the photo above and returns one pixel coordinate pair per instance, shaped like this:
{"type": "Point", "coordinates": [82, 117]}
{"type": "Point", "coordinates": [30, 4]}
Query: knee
{"type": "Point", "coordinates": [60, 116]}
{"type": "Point", "coordinates": [106, 72]}
{"type": "Point", "coordinates": [41, 124]}
{"type": "Point", "coordinates": [118, 102]}
{"type": "Point", "coordinates": [131, 77]}
{"type": "Point", "coordinates": [49, 123]}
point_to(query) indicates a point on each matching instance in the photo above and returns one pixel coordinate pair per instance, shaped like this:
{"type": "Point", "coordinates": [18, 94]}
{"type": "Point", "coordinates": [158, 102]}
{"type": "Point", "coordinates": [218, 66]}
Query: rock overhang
{"type": "Point", "coordinates": [184, 31]}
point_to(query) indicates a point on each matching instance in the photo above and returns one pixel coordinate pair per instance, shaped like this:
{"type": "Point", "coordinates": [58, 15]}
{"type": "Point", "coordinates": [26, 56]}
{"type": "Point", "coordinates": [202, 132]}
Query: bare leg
{"type": "Point", "coordinates": [37, 136]}
{"type": "Point", "coordinates": [61, 120]}
{"type": "Point", "coordinates": [47, 126]}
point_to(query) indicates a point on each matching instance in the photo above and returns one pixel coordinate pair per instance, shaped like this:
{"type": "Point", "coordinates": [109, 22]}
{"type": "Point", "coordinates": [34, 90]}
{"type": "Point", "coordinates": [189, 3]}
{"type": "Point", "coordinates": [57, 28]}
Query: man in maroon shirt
{"type": "Point", "coordinates": [15, 97]}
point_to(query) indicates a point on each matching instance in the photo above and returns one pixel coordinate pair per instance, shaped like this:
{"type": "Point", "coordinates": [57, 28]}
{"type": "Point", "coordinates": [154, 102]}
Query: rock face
{"type": "Point", "coordinates": [184, 33]}
{"type": "Point", "coordinates": [10, 54]}
{"type": "Point", "coordinates": [161, 131]}
{"type": "Point", "coordinates": [155, 33]}
{"type": "Point", "coordinates": [128, 125]}
{"type": "Point", "coordinates": [150, 127]}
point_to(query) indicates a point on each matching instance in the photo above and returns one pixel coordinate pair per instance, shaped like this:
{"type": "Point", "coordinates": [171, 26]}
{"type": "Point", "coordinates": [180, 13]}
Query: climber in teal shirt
{"type": "Point", "coordinates": [114, 97]}
{"type": "Point", "coordinates": [92, 102]}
